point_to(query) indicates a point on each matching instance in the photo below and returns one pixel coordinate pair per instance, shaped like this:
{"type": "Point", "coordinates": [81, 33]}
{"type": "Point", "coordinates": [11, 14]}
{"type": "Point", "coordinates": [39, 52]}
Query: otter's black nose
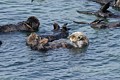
{"type": "Point", "coordinates": [0, 42]}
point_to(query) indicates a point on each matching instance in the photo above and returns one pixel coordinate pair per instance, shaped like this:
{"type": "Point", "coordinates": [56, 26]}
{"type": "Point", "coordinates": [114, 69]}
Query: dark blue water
{"type": "Point", "coordinates": [101, 61]}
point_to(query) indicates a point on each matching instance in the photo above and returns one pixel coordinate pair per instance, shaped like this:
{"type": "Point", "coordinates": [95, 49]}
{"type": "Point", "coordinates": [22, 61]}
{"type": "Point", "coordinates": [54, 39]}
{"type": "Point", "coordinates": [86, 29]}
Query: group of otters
{"type": "Point", "coordinates": [60, 37]}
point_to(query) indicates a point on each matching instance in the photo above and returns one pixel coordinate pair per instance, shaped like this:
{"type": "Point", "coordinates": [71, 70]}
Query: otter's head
{"type": "Point", "coordinates": [78, 39]}
{"type": "Point", "coordinates": [33, 22]}
{"type": "Point", "coordinates": [32, 39]}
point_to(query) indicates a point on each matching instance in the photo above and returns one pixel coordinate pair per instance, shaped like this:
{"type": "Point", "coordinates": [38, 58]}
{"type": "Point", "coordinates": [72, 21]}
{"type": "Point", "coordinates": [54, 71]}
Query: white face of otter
{"type": "Point", "coordinates": [78, 39]}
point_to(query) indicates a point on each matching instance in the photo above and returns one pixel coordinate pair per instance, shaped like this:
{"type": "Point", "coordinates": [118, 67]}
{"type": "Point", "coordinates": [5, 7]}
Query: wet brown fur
{"type": "Point", "coordinates": [30, 25]}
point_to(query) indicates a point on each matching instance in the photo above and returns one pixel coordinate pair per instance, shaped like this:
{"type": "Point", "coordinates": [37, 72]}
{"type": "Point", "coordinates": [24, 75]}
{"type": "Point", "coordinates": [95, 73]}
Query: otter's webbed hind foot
{"type": "Point", "coordinates": [105, 7]}
{"type": "Point", "coordinates": [86, 12]}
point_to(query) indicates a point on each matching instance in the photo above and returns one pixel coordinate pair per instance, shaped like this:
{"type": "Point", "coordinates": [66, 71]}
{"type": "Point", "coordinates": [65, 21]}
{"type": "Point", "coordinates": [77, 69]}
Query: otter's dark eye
{"type": "Point", "coordinates": [80, 38]}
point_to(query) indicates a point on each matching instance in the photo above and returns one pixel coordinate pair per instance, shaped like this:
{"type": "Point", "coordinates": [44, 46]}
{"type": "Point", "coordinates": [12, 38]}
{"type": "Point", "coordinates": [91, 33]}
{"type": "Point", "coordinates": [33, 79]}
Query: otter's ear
{"type": "Point", "coordinates": [81, 37]}
{"type": "Point", "coordinates": [105, 7]}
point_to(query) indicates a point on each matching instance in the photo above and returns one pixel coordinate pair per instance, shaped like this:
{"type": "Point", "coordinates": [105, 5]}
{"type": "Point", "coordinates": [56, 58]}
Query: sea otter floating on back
{"type": "Point", "coordinates": [101, 24]}
{"type": "Point", "coordinates": [76, 40]}
{"type": "Point", "coordinates": [113, 3]}
{"type": "Point", "coordinates": [30, 25]}
{"type": "Point", "coordinates": [103, 12]}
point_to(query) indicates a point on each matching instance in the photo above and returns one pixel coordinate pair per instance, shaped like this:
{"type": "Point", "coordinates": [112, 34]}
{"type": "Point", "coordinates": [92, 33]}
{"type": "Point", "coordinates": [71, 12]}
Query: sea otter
{"type": "Point", "coordinates": [114, 3]}
{"type": "Point", "coordinates": [103, 12]}
{"type": "Point", "coordinates": [30, 25]}
{"type": "Point", "coordinates": [76, 40]}
{"type": "Point", "coordinates": [101, 24]}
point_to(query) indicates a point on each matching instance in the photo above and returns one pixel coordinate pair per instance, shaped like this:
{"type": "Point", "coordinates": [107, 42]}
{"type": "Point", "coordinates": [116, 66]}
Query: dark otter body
{"type": "Point", "coordinates": [101, 24]}
{"type": "Point", "coordinates": [32, 24]}
{"type": "Point", "coordinates": [61, 43]}
{"type": "Point", "coordinates": [56, 36]}
{"type": "Point", "coordinates": [0, 42]}
{"type": "Point", "coordinates": [58, 32]}
{"type": "Point", "coordinates": [113, 3]}
{"type": "Point", "coordinates": [21, 26]}
{"type": "Point", "coordinates": [103, 12]}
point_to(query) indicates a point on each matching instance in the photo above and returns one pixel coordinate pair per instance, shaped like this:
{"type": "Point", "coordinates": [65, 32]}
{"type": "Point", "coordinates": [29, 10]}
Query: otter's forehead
{"type": "Point", "coordinates": [77, 34]}
{"type": "Point", "coordinates": [33, 34]}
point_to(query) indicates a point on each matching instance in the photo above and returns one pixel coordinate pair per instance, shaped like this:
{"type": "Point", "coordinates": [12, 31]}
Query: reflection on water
{"type": "Point", "coordinates": [100, 61]}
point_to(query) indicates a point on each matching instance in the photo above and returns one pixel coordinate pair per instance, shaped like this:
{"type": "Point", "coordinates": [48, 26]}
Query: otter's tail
{"type": "Point", "coordinates": [81, 22]}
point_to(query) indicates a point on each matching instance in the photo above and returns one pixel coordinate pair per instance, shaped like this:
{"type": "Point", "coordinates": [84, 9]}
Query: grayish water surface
{"type": "Point", "coordinates": [101, 61]}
